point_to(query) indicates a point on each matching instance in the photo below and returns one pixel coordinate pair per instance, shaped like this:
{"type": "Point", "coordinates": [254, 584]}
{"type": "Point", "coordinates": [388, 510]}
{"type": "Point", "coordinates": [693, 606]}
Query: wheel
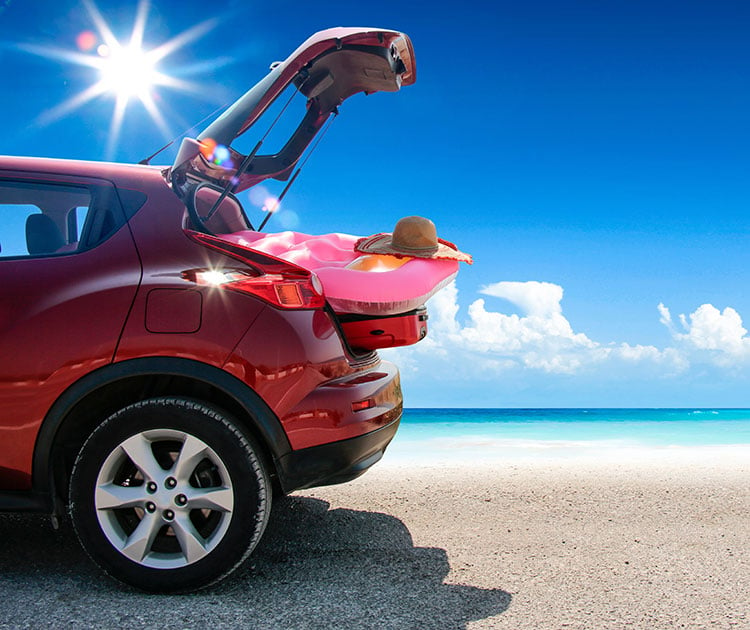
{"type": "Point", "coordinates": [168, 495]}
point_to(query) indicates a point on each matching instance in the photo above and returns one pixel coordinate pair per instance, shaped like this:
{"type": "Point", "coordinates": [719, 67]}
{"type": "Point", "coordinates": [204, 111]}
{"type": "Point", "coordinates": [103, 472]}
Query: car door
{"type": "Point", "coordinates": [68, 273]}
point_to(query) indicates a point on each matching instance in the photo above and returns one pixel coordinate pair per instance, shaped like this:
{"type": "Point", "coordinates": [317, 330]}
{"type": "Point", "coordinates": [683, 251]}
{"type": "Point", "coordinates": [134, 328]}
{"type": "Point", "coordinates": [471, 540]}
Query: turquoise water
{"type": "Point", "coordinates": [530, 428]}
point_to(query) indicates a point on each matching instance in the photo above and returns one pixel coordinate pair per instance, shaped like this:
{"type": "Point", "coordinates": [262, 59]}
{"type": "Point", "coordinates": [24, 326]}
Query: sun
{"type": "Point", "coordinates": [126, 71]}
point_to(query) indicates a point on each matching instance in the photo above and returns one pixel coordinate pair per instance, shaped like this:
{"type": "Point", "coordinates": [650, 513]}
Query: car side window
{"type": "Point", "coordinates": [41, 219]}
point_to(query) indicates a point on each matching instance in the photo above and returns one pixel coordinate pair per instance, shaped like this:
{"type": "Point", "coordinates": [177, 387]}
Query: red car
{"type": "Point", "coordinates": [163, 382]}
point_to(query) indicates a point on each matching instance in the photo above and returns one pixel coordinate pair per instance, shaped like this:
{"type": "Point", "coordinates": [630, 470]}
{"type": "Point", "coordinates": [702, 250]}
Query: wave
{"type": "Point", "coordinates": [496, 444]}
{"type": "Point", "coordinates": [468, 451]}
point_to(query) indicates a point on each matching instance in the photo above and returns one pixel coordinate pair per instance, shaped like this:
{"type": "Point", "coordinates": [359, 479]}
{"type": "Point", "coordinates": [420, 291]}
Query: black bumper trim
{"type": "Point", "coordinates": [336, 462]}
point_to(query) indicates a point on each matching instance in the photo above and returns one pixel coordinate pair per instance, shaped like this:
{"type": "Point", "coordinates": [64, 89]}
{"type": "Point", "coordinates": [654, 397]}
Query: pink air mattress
{"type": "Point", "coordinates": [398, 290]}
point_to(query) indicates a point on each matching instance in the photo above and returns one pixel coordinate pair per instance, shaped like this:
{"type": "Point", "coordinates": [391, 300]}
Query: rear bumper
{"type": "Point", "coordinates": [336, 462]}
{"type": "Point", "coordinates": [341, 428]}
{"type": "Point", "coordinates": [347, 407]}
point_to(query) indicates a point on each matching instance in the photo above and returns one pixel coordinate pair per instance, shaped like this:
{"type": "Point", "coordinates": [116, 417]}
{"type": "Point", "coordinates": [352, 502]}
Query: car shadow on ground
{"type": "Point", "coordinates": [315, 568]}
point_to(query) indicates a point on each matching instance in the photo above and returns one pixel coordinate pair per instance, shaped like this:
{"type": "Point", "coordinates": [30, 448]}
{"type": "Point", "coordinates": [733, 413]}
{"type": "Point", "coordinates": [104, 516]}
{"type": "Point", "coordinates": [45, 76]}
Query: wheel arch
{"type": "Point", "coordinates": [97, 395]}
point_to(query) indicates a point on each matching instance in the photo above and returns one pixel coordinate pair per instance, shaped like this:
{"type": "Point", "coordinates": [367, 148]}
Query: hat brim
{"type": "Point", "coordinates": [382, 244]}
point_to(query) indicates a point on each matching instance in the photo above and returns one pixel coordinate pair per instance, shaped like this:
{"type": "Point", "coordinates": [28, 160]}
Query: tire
{"type": "Point", "coordinates": [168, 495]}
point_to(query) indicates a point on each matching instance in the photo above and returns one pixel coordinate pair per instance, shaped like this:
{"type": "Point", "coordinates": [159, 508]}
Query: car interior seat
{"type": "Point", "coordinates": [42, 235]}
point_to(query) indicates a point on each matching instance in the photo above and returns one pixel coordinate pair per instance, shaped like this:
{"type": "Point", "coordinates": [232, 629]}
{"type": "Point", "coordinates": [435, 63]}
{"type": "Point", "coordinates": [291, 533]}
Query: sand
{"type": "Point", "coordinates": [503, 544]}
{"type": "Point", "coordinates": [561, 544]}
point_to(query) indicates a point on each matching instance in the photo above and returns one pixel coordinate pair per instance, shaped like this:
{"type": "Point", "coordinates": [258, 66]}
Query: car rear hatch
{"type": "Point", "coordinates": [328, 68]}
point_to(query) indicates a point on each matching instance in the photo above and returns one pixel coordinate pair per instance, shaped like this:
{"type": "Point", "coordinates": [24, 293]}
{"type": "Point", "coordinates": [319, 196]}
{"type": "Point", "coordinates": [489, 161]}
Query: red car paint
{"type": "Point", "coordinates": [66, 316]}
{"type": "Point", "coordinates": [164, 382]}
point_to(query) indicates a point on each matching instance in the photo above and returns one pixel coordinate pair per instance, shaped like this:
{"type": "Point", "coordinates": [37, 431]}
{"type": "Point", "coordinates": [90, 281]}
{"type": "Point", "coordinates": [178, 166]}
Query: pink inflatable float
{"type": "Point", "coordinates": [366, 284]}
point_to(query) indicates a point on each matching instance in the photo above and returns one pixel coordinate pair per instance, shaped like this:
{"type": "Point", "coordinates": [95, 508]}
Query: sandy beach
{"type": "Point", "coordinates": [570, 545]}
{"type": "Point", "coordinates": [543, 544]}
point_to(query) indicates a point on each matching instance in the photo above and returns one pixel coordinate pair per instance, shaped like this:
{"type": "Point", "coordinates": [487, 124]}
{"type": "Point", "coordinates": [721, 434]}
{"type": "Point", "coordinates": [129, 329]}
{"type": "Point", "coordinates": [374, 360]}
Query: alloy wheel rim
{"type": "Point", "coordinates": [164, 498]}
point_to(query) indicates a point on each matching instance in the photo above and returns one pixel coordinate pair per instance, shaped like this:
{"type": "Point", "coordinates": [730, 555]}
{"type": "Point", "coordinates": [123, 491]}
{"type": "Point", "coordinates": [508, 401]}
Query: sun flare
{"type": "Point", "coordinates": [126, 71]}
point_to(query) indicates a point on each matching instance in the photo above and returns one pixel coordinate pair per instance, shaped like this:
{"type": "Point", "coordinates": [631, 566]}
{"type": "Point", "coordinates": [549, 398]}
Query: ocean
{"type": "Point", "coordinates": [456, 435]}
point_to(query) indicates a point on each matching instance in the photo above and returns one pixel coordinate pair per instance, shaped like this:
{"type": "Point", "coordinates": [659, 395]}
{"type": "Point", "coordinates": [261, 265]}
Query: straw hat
{"type": "Point", "coordinates": [412, 236]}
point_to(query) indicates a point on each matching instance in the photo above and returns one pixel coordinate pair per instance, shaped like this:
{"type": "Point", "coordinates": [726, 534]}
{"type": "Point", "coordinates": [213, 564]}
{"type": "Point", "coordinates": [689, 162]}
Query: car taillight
{"type": "Point", "coordinates": [361, 405]}
{"type": "Point", "coordinates": [274, 280]}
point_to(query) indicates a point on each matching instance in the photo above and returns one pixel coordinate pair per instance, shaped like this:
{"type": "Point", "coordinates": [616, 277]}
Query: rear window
{"type": "Point", "coordinates": [42, 219]}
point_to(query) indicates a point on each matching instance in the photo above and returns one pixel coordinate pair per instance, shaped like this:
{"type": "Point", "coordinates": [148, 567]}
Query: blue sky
{"type": "Point", "coordinates": [592, 156]}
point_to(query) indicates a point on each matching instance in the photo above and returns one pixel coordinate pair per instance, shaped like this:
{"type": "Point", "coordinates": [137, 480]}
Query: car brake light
{"type": "Point", "coordinates": [272, 279]}
{"type": "Point", "coordinates": [361, 405]}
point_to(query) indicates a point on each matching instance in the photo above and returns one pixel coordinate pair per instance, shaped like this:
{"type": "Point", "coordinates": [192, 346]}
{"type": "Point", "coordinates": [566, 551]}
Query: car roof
{"type": "Point", "coordinates": [113, 171]}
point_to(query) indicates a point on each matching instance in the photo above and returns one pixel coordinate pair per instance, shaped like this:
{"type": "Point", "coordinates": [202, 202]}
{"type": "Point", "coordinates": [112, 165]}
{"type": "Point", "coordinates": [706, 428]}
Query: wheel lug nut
{"type": "Point", "coordinates": [171, 482]}
{"type": "Point", "coordinates": [151, 487]}
{"type": "Point", "coordinates": [168, 515]}
{"type": "Point", "coordinates": [180, 499]}
{"type": "Point", "coordinates": [150, 507]}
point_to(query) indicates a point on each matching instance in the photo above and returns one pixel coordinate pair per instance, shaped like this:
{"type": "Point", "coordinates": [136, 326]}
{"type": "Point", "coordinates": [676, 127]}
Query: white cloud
{"type": "Point", "coordinates": [714, 330]}
{"type": "Point", "coordinates": [541, 339]}
{"type": "Point", "coordinates": [483, 345]}
{"type": "Point", "coordinates": [539, 299]}
{"type": "Point", "coordinates": [443, 308]}
{"type": "Point", "coordinates": [532, 355]}
{"type": "Point", "coordinates": [710, 334]}
{"type": "Point", "coordinates": [664, 316]}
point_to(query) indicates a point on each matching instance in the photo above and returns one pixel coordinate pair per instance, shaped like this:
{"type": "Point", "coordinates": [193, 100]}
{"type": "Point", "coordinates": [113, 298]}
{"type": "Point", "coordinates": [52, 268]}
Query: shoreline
{"type": "Point", "coordinates": [472, 452]}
